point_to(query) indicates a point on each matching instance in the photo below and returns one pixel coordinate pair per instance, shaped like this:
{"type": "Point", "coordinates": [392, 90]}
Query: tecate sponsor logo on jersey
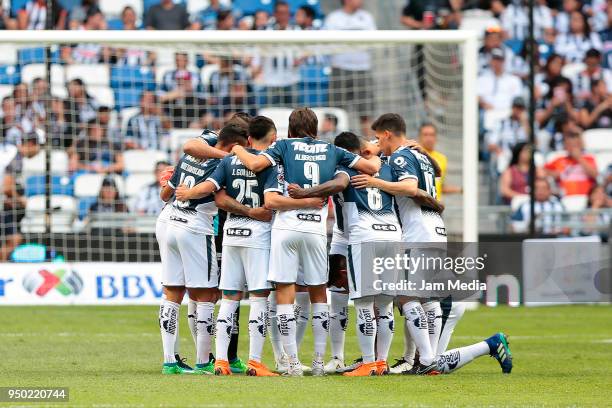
{"type": "Point", "coordinates": [309, 217]}
{"type": "Point", "coordinates": [64, 281]}
{"type": "Point", "coordinates": [384, 227]}
{"type": "Point", "coordinates": [238, 232]}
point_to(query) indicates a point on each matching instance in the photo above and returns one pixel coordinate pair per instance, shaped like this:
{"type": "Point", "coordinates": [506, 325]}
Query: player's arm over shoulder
{"type": "Point", "coordinates": [340, 181]}
{"type": "Point", "coordinates": [202, 147]}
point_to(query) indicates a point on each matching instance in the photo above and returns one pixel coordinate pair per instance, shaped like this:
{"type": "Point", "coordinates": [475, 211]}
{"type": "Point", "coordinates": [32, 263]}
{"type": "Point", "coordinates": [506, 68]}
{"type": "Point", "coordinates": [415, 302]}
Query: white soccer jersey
{"type": "Point", "coordinates": [419, 224]}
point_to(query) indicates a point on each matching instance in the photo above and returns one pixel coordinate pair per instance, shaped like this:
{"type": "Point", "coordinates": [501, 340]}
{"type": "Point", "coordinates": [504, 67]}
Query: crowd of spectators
{"type": "Point", "coordinates": [569, 34]}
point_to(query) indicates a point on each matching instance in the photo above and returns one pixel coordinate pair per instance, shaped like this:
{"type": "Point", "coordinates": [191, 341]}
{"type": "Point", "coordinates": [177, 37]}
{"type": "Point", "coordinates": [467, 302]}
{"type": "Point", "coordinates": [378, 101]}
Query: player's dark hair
{"type": "Point", "coordinates": [392, 122]}
{"type": "Point", "coordinates": [162, 163]}
{"type": "Point", "coordinates": [427, 124]}
{"type": "Point", "coordinates": [241, 119]}
{"type": "Point", "coordinates": [348, 141]}
{"type": "Point", "coordinates": [260, 127]}
{"type": "Point", "coordinates": [309, 11]}
{"type": "Point", "coordinates": [303, 122]}
{"type": "Point", "coordinates": [280, 3]}
{"type": "Point", "coordinates": [232, 133]}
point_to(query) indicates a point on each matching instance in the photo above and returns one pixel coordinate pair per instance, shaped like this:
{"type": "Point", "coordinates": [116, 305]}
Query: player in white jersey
{"type": "Point", "coordinates": [414, 170]}
{"type": "Point", "coordinates": [246, 246]}
{"type": "Point", "coordinates": [299, 235]}
{"type": "Point", "coordinates": [185, 235]}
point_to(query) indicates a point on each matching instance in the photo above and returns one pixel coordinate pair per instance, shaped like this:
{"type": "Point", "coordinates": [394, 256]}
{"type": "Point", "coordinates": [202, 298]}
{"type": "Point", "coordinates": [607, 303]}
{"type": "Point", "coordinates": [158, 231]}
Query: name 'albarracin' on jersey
{"type": "Point", "coordinates": [195, 215]}
{"type": "Point", "coordinates": [247, 188]}
{"type": "Point", "coordinates": [369, 213]}
{"type": "Point", "coordinates": [307, 162]}
{"type": "Point", "coordinates": [419, 223]}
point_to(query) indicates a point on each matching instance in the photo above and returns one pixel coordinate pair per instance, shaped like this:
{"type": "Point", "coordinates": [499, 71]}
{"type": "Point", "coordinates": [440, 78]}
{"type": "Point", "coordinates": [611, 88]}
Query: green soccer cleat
{"type": "Point", "coordinates": [238, 367]}
{"type": "Point", "coordinates": [205, 369]}
{"type": "Point", "coordinates": [174, 368]}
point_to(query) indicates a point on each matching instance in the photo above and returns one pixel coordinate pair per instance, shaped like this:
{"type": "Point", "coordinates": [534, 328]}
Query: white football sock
{"type": "Point", "coordinates": [177, 342]}
{"type": "Point", "coordinates": [225, 323]}
{"type": "Point", "coordinates": [302, 313]}
{"type": "Point", "coordinates": [277, 345]}
{"type": "Point", "coordinates": [338, 320]}
{"type": "Point", "coordinates": [416, 322]}
{"type": "Point", "coordinates": [409, 346]}
{"type": "Point", "coordinates": [456, 313]}
{"type": "Point", "coordinates": [457, 358]}
{"type": "Point", "coordinates": [191, 318]}
{"type": "Point", "coordinates": [433, 311]}
{"type": "Point", "coordinates": [168, 324]}
{"type": "Point", "coordinates": [385, 326]}
{"type": "Point", "coordinates": [258, 322]}
{"type": "Point", "coordinates": [320, 325]}
{"type": "Point", "coordinates": [366, 328]}
{"type": "Point", "coordinates": [287, 328]}
{"type": "Point", "coordinates": [205, 331]}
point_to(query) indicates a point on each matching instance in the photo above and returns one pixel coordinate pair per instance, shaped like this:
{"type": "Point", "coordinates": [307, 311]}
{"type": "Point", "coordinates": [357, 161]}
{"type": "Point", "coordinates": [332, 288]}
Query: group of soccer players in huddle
{"type": "Point", "coordinates": [274, 245]}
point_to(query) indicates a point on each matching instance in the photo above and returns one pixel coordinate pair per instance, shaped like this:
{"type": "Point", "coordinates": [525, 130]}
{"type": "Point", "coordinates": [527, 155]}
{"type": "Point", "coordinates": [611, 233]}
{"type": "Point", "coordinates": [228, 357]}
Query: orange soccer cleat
{"type": "Point", "coordinates": [364, 370]}
{"type": "Point", "coordinates": [257, 369]}
{"type": "Point", "coordinates": [382, 368]}
{"type": "Point", "coordinates": [222, 367]}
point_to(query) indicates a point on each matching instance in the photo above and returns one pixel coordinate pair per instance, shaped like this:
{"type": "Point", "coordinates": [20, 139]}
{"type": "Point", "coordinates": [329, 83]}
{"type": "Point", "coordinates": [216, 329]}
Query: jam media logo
{"type": "Point", "coordinates": [66, 282]}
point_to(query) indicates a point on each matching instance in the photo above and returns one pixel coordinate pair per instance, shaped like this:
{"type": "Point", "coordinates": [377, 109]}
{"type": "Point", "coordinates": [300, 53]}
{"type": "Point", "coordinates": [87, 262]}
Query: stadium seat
{"type": "Point", "coordinates": [88, 185]}
{"type": "Point", "coordinates": [113, 8]}
{"type": "Point", "coordinates": [178, 137]}
{"type": "Point", "coordinates": [9, 74]}
{"type": "Point", "coordinates": [314, 85]}
{"type": "Point", "coordinates": [8, 54]}
{"type": "Point", "coordinates": [597, 140]}
{"type": "Point", "coordinates": [478, 22]}
{"type": "Point", "coordinates": [134, 183]}
{"type": "Point", "coordinates": [125, 115]}
{"type": "Point", "coordinates": [246, 7]}
{"type": "Point", "coordinates": [127, 97]}
{"type": "Point", "coordinates": [115, 24]}
{"type": "Point", "coordinates": [36, 164]}
{"type": "Point", "coordinates": [518, 200]}
{"type": "Point", "coordinates": [142, 161]}
{"type": "Point", "coordinates": [514, 44]}
{"type": "Point", "coordinates": [492, 117]}
{"type": "Point", "coordinates": [280, 116]}
{"type": "Point", "coordinates": [104, 95]}
{"type": "Point", "coordinates": [132, 77]}
{"type": "Point", "coordinates": [572, 70]}
{"type": "Point", "coordinates": [64, 213]}
{"type": "Point", "coordinates": [603, 160]}
{"type": "Point", "coordinates": [575, 203]}
{"type": "Point", "coordinates": [341, 114]}
{"type": "Point", "coordinates": [5, 90]}
{"type": "Point", "coordinates": [36, 185]}
{"type": "Point", "coordinates": [31, 71]}
{"type": "Point", "coordinates": [17, 5]}
{"type": "Point", "coordinates": [195, 6]}
{"type": "Point", "coordinates": [59, 91]}
{"type": "Point", "coordinates": [70, 4]}
{"type": "Point", "coordinates": [38, 55]}
{"type": "Point", "coordinates": [91, 74]}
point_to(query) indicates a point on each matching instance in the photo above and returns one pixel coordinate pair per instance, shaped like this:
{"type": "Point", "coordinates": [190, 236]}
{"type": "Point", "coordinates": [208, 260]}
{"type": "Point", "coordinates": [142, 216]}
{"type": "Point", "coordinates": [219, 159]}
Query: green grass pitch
{"type": "Point", "coordinates": [111, 356]}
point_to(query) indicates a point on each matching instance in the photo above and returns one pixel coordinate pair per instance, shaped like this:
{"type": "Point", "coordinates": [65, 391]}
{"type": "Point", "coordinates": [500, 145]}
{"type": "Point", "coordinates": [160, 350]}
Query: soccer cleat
{"type": "Point", "coordinates": [181, 363]}
{"type": "Point", "coordinates": [431, 369]}
{"type": "Point", "coordinates": [282, 364]}
{"type": "Point", "coordinates": [174, 368]}
{"type": "Point", "coordinates": [356, 363]}
{"type": "Point", "coordinates": [499, 347]}
{"type": "Point", "coordinates": [204, 369]}
{"type": "Point", "coordinates": [335, 365]}
{"type": "Point", "coordinates": [222, 367]}
{"type": "Point", "coordinates": [294, 370]}
{"type": "Point", "coordinates": [237, 366]}
{"type": "Point", "coordinates": [257, 369]}
{"type": "Point", "coordinates": [318, 368]}
{"type": "Point", "coordinates": [364, 370]}
{"type": "Point", "coordinates": [382, 368]}
{"type": "Point", "coordinates": [400, 366]}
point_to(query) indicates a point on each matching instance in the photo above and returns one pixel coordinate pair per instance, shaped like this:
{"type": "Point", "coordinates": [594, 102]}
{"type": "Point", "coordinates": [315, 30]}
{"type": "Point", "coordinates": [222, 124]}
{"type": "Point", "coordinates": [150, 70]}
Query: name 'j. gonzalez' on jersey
{"type": "Point", "coordinates": [307, 162]}
{"type": "Point", "coordinates": [194, 215]}
{"type": "Point", "coordinates": [419, 223]}
{"type": "Point", "coordinates": [247, 188]}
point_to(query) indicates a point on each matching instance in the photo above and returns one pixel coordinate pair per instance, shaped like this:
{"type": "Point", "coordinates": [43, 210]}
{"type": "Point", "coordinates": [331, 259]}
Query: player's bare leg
{"type": "Point", "coordinates": [168, 325]}
{"type": "Point", "coordinates": [225, 323]}
{"type": "Point", "coordinates": [320, 326]}
{"type": "Point", "coordinates": [205, 306]}
{"type": "Point", "coordinates": [258, 320]}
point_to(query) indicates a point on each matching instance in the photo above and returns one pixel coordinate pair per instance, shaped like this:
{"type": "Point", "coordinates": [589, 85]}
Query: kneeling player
{"type": "Point", "coordinates": [185, 235]}
{"type": "Point", "coordinates": [246, 246]}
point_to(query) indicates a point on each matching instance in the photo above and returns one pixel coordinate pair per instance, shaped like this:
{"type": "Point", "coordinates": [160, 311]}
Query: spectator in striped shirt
{"type": "Point", "coordinates": [146, 129]}
{"type": "Point", "coordinates": [148, 201]}
{"type": "Point", "coordinates": [574, 44]}
{"type": "Point", "coordinates": [593, 71]}
{"type": "Point", "coordinates": [547, 209]}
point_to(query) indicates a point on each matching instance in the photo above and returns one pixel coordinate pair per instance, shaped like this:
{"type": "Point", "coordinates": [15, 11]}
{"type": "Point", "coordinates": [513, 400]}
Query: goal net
{"type": "Point", "coordinates": [90, 118]}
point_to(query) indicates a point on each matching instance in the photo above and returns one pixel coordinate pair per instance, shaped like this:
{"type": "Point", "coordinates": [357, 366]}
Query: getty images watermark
{"type": "Point", "coordinates": [529, 272]}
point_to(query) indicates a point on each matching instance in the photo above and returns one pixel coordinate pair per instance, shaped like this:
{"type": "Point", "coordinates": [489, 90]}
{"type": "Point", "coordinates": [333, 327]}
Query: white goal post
{"type": "Point", "coordinates": [466, 41]}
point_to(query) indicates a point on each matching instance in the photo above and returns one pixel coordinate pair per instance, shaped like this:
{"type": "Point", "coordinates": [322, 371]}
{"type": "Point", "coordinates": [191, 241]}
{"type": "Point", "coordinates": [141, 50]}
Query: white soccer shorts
{"type": "Point", "coordinates": [362, 281]}
{"type": "Point", "coordinates": [339, 245]}
{"type": "Point", "coordinates": [244, 267]}
{"type": "Point", "coordinates": [294, 249]}
{"type": "Point", "coordinates": [188, 259]}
